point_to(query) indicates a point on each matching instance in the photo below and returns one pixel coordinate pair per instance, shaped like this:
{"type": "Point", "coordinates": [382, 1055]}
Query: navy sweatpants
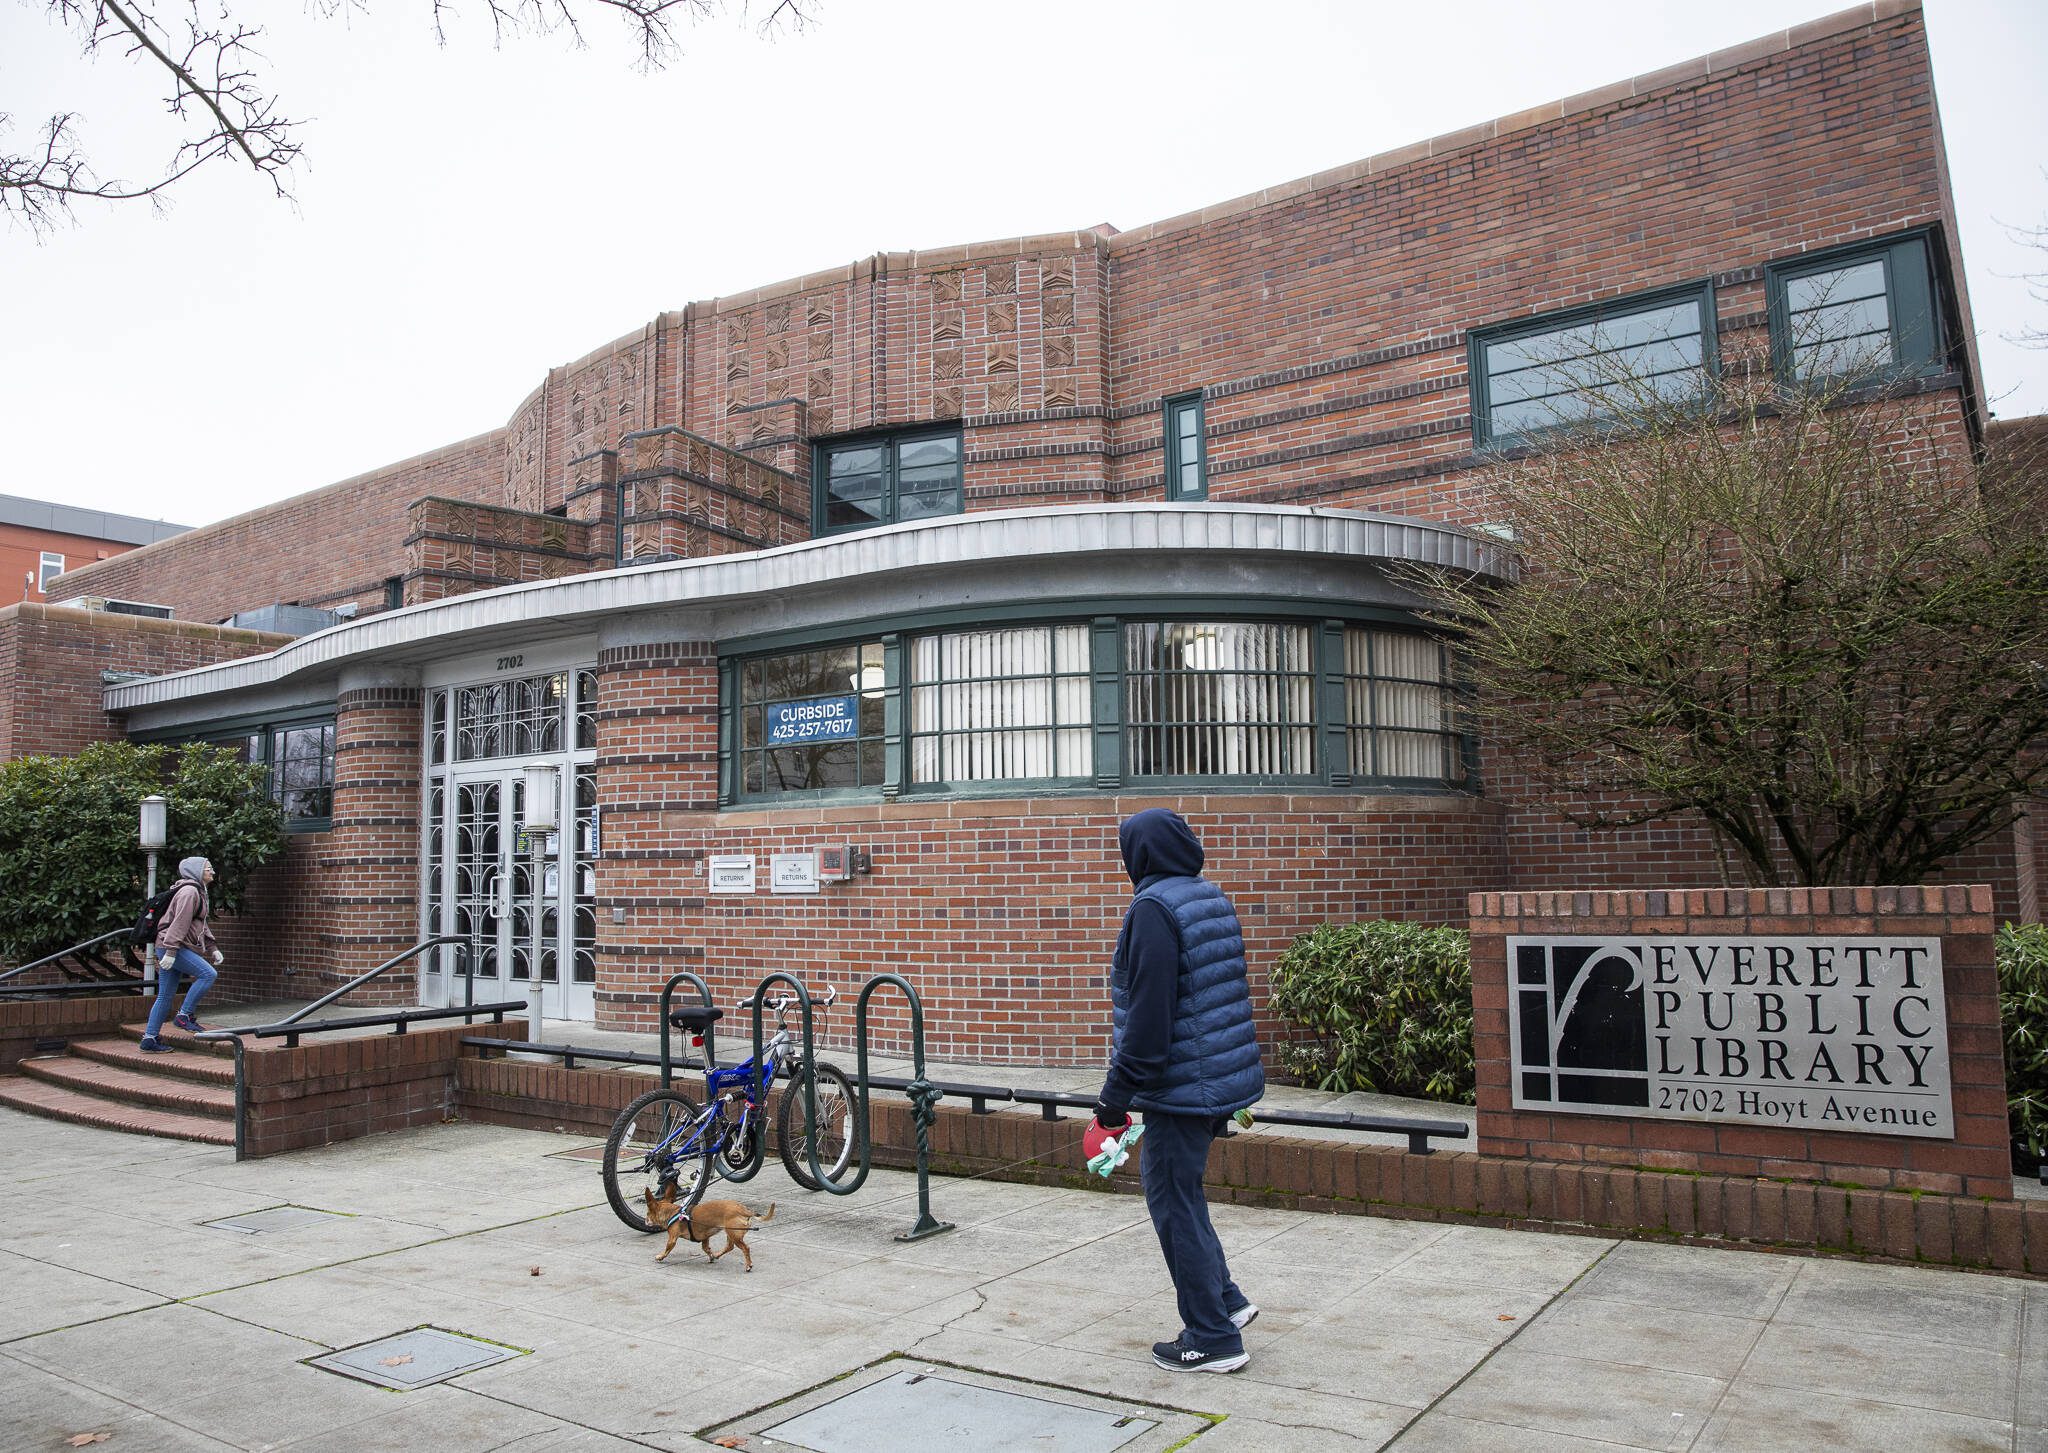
{"type": "Point", "coordinates": [1176, 1151]}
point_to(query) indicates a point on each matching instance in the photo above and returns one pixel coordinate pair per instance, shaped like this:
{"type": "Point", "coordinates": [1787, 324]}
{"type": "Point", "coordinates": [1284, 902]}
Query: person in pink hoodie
{"type": "Point", "coordinates": [184, 949]}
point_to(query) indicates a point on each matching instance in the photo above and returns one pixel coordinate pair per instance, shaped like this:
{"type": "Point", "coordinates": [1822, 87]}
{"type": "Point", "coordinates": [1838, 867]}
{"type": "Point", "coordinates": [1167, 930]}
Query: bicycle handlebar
{"type": "Point", "coordinates": [783, 1003]}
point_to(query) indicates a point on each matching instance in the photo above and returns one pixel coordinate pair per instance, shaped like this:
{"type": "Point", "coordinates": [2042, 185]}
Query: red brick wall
{"type": "Point", "coordinates": [1324, 320]}
{"type": "Point", "coordinates": [368, 863]}
{"type": "Point", "coordinates": [329, 1090]}
{"type": "Point", "coordinates": [51, 658]}
{"type": "Point", "coordinates": [453, 547]}
{"type": "Point", "coordinates": [1976, 1162]}
{"type": "Point", "coordinates": [323, 548]}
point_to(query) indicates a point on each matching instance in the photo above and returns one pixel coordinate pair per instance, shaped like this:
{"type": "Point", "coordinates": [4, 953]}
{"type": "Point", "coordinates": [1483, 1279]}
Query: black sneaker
{"type": "Point", "coordinates": [1175, 1358]}
{"type": "Point", "coordinates": [1244, 1316]}
{"type": "Point", "coordinates": [152, 1045]}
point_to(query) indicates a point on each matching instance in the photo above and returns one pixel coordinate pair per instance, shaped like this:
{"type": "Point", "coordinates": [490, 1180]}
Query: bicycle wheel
{"type": "Point", "coordinates": [740, 1157]}
{"type": "Point", "coordinates": [837, 1106]}
{"type": "Point", "coordinates": [645, 1149]}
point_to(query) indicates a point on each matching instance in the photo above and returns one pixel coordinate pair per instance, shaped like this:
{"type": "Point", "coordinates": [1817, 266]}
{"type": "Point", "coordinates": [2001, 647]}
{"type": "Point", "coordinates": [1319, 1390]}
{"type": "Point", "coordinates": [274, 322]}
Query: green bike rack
{"type": "Point", "coordinates": [923, 1095]}
{"type": "Point", "coordinates": [924, 1099]}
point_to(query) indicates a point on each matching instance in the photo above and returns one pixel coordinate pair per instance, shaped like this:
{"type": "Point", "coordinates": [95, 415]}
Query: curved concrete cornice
{"type": "Point", "coordinates": [1015, 543]}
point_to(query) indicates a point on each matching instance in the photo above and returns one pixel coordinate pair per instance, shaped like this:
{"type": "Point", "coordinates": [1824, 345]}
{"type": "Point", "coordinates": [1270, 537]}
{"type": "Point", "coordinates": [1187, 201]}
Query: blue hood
{"type": "Point", "coordinates": [1158, 843]}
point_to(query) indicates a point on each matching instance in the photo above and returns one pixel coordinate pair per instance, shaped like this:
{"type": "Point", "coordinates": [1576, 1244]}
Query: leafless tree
{"type": "Point", "coordinates": [207, 61]}
{"type": "Point", "coordinates": [1777, 610]}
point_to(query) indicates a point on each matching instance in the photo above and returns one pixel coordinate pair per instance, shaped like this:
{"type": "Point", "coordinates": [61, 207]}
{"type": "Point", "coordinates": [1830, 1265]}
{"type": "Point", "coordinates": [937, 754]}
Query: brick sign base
{"type": "Point", "coordinates": [1975, 1163]}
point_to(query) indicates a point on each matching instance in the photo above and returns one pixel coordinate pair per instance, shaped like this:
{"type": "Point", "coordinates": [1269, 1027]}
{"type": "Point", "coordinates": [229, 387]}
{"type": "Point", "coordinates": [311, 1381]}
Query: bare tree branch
{"type": "Point", "coordinates": [226, 106]}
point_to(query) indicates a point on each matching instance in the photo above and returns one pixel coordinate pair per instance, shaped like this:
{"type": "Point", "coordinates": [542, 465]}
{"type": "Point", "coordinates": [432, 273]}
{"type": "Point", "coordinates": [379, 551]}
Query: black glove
{"type": "Point", "coordinates": [1110, 1119]}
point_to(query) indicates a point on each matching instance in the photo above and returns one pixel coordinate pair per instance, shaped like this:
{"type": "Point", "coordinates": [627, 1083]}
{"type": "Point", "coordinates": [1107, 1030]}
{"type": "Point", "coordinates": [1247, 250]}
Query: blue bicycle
{"type": "Point", "coordinates": [663, 1140]}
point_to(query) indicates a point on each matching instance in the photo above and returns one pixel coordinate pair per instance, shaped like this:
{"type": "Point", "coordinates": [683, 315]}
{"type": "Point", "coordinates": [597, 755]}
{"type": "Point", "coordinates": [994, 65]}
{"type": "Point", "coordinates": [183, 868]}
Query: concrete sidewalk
{"type": "Point", "coordinates": [121, 1314]}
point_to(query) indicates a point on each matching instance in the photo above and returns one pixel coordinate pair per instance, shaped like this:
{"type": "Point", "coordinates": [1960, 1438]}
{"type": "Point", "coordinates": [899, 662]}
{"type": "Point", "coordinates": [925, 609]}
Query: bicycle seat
{"type": "Point", "coordinates": [695, 1017]}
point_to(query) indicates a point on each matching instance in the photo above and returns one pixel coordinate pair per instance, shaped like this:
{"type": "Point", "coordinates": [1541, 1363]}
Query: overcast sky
{"type": "Point", "coordinates": [468, 217]}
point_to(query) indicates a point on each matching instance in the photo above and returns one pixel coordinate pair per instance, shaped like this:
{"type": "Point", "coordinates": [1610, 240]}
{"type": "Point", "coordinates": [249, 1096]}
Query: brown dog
{"type": "Point", "coordinates": [705, 1221]}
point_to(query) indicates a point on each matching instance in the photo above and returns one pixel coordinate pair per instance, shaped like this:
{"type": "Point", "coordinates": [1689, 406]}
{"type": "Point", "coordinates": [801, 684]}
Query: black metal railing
{"type": "Point", "coordinates": [295, 1025]}
{"type": "Point", "coordinates": [88, 967]}
{"type": "Point", "coordinates": [982, 1098]}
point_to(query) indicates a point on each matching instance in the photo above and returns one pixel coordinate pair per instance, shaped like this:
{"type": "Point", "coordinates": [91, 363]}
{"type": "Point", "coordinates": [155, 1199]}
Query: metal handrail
{"type": "Point", "coordinates": [283, 1025]}
{"type": "Point", "coordinates": [289, 1030]}
{"type": "Point", "coordinates": [1050, 1102]}
{"type": "Point", "coordinates": [67, 952]}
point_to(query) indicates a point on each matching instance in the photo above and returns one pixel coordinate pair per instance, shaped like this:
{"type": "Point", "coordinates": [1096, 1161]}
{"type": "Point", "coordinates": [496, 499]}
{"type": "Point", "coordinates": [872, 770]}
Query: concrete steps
{"type": "Point", "coordinates": [186, 1093]}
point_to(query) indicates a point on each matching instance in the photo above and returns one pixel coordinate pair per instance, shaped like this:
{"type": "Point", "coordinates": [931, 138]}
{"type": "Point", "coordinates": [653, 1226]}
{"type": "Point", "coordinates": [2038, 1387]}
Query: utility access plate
{"type": "Point", "coordinates": [414, 1359]}
{"type": "Point", "coordinates": [277, 1218]}
{"type": "Point", "coordinates": [915, 1412]}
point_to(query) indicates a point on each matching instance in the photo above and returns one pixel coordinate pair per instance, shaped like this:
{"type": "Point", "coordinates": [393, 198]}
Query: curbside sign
{"type": "Point", "coordinates": [821, 719]}
{"type": "Point", "coordinates": [1818, 1033]}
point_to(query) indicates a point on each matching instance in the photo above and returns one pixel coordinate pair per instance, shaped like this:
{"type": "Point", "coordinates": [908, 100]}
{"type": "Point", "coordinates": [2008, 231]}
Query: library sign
{"type": "Point", "coordinates": [1815, 1033]}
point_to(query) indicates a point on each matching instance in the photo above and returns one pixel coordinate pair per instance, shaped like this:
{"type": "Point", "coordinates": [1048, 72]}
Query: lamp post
{"type": "Point", "coordinates": [153, 834]}
{"type": "Point", "coordinates": [541, 816]}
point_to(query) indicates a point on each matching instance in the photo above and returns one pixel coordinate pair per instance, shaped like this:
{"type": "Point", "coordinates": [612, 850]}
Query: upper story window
{"type": "Point", "coordinates": [1859, 312]}
{"type": "Point", "coordinates": [51, 566]}
{"type": "Point", "coordinates": [1589, 364]}
{"type": "Point", "coordinates": [885, 480]}
{"type": "Point", "coordinates": [1187, 456]}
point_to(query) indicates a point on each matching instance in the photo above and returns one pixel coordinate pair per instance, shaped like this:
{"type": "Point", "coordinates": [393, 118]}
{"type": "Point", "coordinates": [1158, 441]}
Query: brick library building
{"type": "Point", "coordinates": [854, 611]}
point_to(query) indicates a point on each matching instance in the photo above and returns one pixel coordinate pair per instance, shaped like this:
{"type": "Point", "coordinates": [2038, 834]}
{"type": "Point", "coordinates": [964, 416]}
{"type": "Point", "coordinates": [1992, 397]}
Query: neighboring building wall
{"type": "Point", "coordinates": [21, 555]}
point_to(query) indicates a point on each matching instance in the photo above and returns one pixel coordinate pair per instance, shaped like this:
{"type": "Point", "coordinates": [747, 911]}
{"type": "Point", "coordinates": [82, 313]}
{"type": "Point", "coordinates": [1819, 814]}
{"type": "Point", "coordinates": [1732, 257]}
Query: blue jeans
{"type": "Point", "coordinates": [188, 966]}
{"type": "Point", "coordinates": [1176, 1155]}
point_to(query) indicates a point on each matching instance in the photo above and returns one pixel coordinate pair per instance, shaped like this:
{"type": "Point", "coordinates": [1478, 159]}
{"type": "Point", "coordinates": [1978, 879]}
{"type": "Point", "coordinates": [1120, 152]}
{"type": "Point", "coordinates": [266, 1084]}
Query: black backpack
{"type": "Point", "coordinates": [151, 917]}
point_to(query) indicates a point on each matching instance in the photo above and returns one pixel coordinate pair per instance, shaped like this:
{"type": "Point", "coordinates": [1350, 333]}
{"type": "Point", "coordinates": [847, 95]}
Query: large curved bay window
{"type": "Point", "coordinates": [1094, 704]}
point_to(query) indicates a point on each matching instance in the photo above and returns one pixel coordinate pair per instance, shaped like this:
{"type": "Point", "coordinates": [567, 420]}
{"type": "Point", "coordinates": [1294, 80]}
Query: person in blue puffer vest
{"type": "Point", "coordinates": [1185, 1054]}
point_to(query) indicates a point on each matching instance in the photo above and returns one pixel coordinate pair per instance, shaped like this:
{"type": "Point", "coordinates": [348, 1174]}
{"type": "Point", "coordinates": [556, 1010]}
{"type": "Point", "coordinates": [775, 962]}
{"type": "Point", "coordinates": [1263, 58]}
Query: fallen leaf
{"type": "Point", "coordinates": [533, 1271]}
{"type": "Point", "coordinates": [79, 1440]}
{"type": "Point", "coordinates": [1504, 1317]}
{"type": "Point", "coordinates": [398, 1361]}
{"type": "Point", "coordinates": [732, 1442]}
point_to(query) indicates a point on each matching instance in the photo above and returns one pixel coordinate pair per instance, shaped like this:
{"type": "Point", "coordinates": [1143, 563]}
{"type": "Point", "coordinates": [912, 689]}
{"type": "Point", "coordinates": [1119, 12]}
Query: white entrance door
{"type": "Point", "coordinates": [481, 878]}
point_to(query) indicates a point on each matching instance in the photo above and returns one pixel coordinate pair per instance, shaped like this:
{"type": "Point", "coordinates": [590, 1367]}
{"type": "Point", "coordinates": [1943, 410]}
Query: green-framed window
{"type": "Point", "coordinates": [1187, 452]}
{"type": "Point", "coordinates": [1067, 705]}
{"type": "Point", "coordinates": [885, 479]}
{"type": "Point", "coordinates": [1865, 312]}
{"type": "Point", "coordinates": [813, 721]}
{"type": "Point", "coordinates": [1223, 699]}
{"type": "Point", "coordinates": [1588, 364]}
{"type": "Point", "coordinates": [1001, 705]}
{"type": "Point", "coordinates": [297, 755]}
{"type": "Point", "coordinates": [1401, 718]}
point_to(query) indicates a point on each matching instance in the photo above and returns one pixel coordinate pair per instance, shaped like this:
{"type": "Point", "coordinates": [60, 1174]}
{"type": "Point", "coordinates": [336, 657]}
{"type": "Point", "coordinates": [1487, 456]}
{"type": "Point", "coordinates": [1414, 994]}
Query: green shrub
{"type": "Point", "coordinates": [1389, 1006]}
{"type": "Point", "coordinates": [68, 855]}
{"type": "Point", "coordinates": [2023, 1008]}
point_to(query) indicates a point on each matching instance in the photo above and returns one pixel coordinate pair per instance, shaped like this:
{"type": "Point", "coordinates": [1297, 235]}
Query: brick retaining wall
{"type": "Point", "coordinates": [340, 1089]}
